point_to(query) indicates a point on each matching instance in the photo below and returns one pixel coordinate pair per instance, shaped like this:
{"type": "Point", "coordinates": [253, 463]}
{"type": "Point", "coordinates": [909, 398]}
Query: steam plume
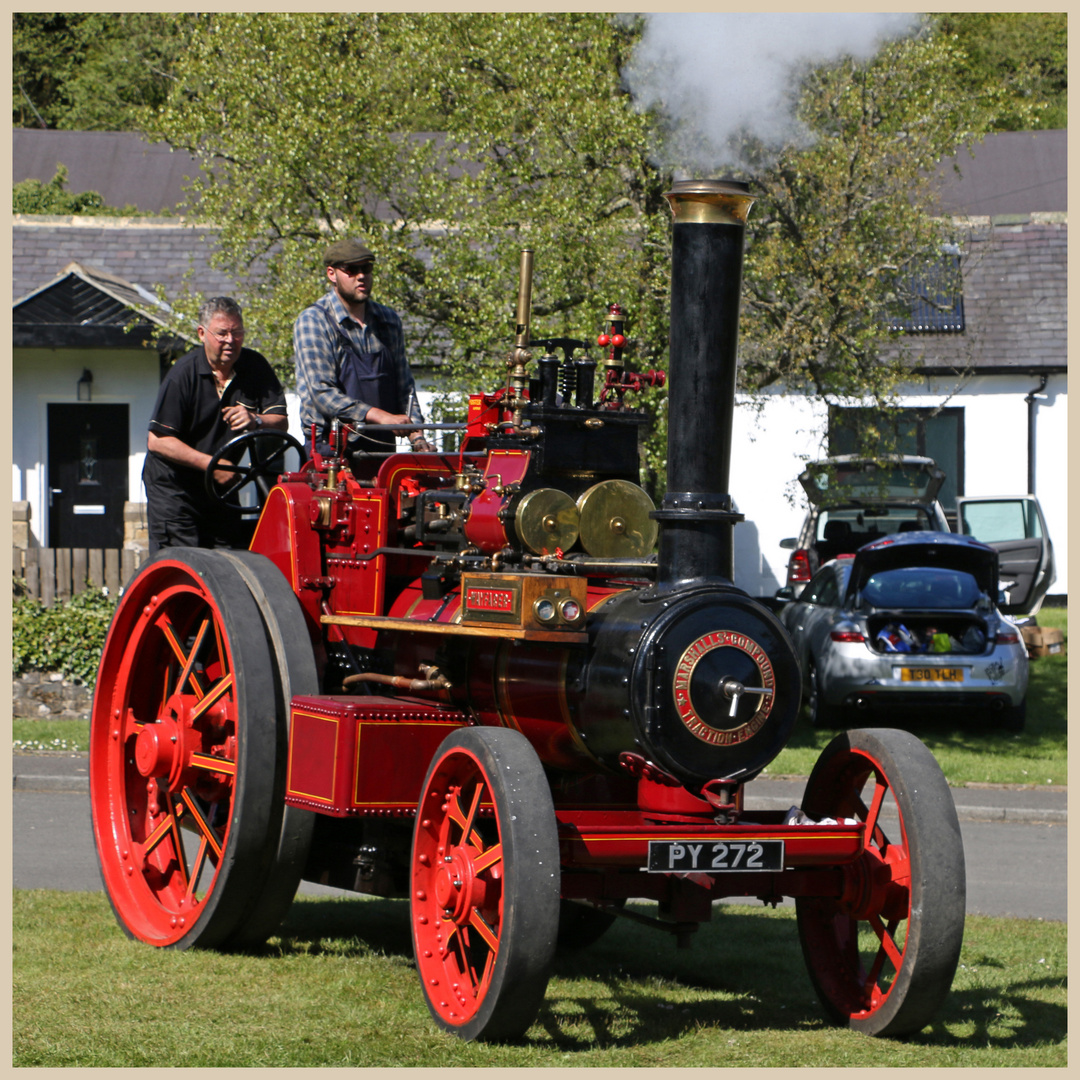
{"type": "Point", "coordinates": [716, 74]}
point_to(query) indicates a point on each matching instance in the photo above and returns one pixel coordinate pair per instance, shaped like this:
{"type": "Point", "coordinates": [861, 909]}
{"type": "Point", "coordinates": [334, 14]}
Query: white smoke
{"type": "Point", "coordinates": [716, 74]}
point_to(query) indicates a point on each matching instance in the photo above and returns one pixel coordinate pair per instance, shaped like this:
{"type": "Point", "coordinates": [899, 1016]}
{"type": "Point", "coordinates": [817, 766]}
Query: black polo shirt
{"type": "Point", "coordinates": [188, 407]}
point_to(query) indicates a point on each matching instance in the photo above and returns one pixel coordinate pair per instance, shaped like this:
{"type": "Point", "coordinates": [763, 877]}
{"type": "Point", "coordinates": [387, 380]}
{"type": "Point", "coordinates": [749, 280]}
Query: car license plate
{"type": "Point", "coordinates": [712, 857]}
{"type": "Point", "coordinates": [931, 674]}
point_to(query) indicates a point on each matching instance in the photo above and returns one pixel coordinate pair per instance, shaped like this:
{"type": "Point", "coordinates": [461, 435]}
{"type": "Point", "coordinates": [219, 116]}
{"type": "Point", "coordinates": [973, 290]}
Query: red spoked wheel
{"type": "Point", "coordinates": [184, 751]}
{"type": "Point", "coordinates": [485, 884]}
{"type": "Point", "coordinates": [882, 956]}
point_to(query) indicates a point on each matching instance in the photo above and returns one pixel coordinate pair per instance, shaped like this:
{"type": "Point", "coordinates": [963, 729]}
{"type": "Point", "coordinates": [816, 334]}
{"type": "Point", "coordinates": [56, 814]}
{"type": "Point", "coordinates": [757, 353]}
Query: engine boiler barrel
{"type": "Point", "coordinates": [706, 278]}
{"type": "Point", "coordinates": [704, 685]}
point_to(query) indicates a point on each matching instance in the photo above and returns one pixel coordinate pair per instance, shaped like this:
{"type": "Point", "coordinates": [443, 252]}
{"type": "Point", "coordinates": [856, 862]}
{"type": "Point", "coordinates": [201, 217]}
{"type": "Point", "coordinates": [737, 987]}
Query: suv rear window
{"type": "Point", "coordinates": [867, 525]}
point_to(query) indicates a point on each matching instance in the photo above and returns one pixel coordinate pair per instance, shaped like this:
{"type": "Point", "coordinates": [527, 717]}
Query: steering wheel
{"type": "Point", "coordinates": [265, 450]}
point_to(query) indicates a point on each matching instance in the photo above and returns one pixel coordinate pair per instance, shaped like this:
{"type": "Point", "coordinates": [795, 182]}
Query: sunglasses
{"type": "Point", "coordinates": [356, 269]}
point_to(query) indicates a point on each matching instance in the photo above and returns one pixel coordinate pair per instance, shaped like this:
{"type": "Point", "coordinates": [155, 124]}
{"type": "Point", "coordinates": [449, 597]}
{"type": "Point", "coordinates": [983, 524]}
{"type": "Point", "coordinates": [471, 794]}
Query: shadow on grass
{"type": "Point", "coordinates": [745, 972]}
{"type": "Point", "coordinates": [344, 927]}
{"type": "Point", "coordinates": [749, 972]}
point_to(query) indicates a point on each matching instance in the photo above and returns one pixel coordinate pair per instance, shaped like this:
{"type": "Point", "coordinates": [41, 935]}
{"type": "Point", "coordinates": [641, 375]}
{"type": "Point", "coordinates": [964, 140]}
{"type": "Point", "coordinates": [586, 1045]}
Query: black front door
{"type": "Point", "coordinates": [88, 475]}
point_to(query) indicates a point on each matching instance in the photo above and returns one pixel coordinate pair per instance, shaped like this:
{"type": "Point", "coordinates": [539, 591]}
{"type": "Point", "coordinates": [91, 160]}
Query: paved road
{"type": "Point", "coordinates": [1015, 841]}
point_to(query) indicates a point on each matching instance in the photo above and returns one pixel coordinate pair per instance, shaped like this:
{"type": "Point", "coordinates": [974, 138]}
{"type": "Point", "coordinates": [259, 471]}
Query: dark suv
{"type": "Point", "coordinates": [854, 500]}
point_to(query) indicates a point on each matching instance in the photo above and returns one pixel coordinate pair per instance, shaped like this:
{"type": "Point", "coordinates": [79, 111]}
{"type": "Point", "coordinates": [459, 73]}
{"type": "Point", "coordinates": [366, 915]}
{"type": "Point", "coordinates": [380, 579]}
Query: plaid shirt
{"type": "Point", "coordinates": [318, 355]}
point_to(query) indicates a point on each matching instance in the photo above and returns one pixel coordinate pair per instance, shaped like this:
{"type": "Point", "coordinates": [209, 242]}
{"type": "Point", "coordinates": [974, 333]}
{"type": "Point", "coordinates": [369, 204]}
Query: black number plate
{"type": "Point", "coordinates": [714, 856]}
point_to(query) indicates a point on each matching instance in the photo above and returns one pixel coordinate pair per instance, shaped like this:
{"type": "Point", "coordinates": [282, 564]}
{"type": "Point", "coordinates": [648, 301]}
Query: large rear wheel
{"type": "Point", "coordinates": [184, 753]}
{"type": "Point", "coordinates": [485, 884]}
{"type": "Point", "coordinates": [882, 956]}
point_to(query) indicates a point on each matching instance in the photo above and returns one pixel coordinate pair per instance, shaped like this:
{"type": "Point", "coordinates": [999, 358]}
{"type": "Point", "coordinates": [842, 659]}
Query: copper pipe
{"type": "Point", "coordinates": [435, 680]}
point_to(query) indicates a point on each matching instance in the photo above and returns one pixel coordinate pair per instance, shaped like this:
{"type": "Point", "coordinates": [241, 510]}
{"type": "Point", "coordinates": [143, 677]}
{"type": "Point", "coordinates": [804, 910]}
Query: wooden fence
{"type": "Point", "coordinates": [58, 573]}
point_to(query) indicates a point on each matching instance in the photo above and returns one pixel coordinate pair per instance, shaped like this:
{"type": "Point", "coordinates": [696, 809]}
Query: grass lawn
{"type": "Point", "coordinates": [338, 987]}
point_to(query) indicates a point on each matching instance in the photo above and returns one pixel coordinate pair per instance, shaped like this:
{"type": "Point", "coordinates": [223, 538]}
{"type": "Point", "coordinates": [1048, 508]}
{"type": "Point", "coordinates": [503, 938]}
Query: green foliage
{"type": "Point", "coordinates": [92, 71]}
{"type": "Point", "coordinates": [539, 146]}
{"type": "Point", "coordinates": [67, 637]}
{"type": "Point", "coordinates": [1023, 53]}
{"type": "Point", "coordinates": [338, 988]}
{"type": "Point", "coordinates": [34, 197]}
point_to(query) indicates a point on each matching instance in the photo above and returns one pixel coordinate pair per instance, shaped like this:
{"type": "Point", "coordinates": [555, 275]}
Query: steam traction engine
{"type": "Point", "coordinates": [464, 678]}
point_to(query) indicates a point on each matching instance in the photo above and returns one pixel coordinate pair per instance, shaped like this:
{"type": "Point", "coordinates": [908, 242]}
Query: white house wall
{"type": "Point", "coordinates": [770, 445]}
{"type": "Point", "coordinates": [48, 376]}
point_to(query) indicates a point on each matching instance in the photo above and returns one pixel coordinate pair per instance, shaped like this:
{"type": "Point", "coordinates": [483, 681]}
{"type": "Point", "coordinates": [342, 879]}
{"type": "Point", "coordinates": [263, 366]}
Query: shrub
{"type": "Point", "coordinates": [67, 637]}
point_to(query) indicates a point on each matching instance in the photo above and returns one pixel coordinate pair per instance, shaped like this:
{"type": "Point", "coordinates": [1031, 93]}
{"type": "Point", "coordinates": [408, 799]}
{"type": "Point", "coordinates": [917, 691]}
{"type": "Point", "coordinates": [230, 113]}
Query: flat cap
{"type": "Point", "coordinates": [343, 252]}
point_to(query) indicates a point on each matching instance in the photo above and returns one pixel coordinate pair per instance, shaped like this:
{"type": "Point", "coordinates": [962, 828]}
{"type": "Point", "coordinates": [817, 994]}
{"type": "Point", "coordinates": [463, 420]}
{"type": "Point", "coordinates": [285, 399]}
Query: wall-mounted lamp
{"type": "Point", "coordinates": [85, 385]}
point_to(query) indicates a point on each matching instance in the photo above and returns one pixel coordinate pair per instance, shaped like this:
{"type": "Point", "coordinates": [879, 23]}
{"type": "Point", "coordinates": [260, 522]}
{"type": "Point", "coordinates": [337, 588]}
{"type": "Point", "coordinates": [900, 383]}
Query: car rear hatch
{"type": "Point", "coordinates": [847, 479]}
{"type": "Point", "coordinates": [933, 610]}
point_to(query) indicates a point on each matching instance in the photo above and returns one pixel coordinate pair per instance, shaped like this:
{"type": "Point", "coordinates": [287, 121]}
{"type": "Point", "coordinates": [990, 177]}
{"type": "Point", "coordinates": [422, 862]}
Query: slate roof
{"type": "Point", "coordinates": [149, 251]}
{"type": "Point", "coordinates": [1012, 172]}
{"type": "Point", "coordinates": [1015, 299]}
{"type": "Point", "coordinates": [121, 166]}
{"type": "Point", "coordinates": [87, 306]}
{"type": "Point", "coordinates": [1012, 197]}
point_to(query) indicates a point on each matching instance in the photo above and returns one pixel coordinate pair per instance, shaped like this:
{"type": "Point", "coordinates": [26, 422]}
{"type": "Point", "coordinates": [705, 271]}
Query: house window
{"type": "Point", "coordinates": [932, 433]}
{"type": "Point", "coordinates": [936, 298]}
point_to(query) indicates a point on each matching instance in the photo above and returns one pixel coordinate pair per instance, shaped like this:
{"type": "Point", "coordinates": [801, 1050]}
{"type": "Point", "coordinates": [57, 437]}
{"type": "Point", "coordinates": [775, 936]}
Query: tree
{"type": "Point", "coordinates": [299, 121]}
{"type": "Point", "coordinates": [95, 71]}
{"type": "Point", "coordinates": [840, 226]}
{"type": "Point", "coordinates": [1024, 53]}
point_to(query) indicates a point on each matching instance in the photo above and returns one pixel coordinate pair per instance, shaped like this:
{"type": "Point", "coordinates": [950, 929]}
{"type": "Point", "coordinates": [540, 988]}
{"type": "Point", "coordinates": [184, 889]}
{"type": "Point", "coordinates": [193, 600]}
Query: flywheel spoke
{"type": "Point", "coordinates": [201, 824]}
{"type": "Point", "coordinates": [487, 859]}
{"type": "Point", "coordinates": [219, 690]}
{"type": "Point", "coordinates": [465, 821]}
{"type": "Point", "coordinates": [873, 830]}
{"type": "Point", "coordinates": [888, 948]}
{"type": "Point", "coordinates": [187, 658]}
{"type": "Point", "coordinates": [491, 938]}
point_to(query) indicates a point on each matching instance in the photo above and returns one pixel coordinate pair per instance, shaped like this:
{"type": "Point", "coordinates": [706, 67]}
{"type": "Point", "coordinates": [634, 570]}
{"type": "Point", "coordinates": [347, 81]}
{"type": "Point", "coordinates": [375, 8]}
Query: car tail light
{"type": "Point", "coordinates": [798, 567]}
{"type": "Point", "coordinates": [1007, 637]}
{"type": "Point", "coordinates": [847, 635]}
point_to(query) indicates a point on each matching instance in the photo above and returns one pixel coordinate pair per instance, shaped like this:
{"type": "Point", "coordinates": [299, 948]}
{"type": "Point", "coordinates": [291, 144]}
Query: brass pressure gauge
{"type": "Point", "coordinates": [615, 522]}
{"type": "Point", "coordinates": [547, 520]}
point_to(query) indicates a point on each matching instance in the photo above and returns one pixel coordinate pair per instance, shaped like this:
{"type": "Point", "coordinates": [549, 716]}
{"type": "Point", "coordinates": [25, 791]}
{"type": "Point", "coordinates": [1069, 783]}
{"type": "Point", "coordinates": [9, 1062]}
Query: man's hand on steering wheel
{"type": "Point", "coordinates": [225, 479]}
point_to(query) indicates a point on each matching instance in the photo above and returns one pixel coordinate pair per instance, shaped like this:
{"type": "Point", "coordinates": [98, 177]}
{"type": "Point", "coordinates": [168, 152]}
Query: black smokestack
{"type": "Point", "coordinates": [706, 280]}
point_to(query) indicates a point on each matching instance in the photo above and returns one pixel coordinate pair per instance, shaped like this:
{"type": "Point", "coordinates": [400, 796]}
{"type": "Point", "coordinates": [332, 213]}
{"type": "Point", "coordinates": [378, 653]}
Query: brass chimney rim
{"type": "Point", "coordinates": [722, 202]}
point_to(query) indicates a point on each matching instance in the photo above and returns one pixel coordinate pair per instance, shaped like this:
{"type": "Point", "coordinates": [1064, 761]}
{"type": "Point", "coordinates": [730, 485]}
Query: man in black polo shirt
{"type": "Point", "coordinates": [210, 395]}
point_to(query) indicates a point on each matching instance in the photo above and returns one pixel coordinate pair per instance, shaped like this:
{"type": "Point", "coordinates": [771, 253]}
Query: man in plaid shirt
{"type": "Point", "coordinates": [350, 359]}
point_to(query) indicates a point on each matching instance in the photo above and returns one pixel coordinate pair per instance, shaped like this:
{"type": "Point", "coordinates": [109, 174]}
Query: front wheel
{"type": "Point", "coordinates": [485, 884]}
{"type": "Point", "coordinates": [883, 954]}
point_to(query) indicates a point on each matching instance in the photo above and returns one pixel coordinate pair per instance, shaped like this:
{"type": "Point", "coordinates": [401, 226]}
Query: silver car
{"type": "Point", "coordinates": [908, 623]}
